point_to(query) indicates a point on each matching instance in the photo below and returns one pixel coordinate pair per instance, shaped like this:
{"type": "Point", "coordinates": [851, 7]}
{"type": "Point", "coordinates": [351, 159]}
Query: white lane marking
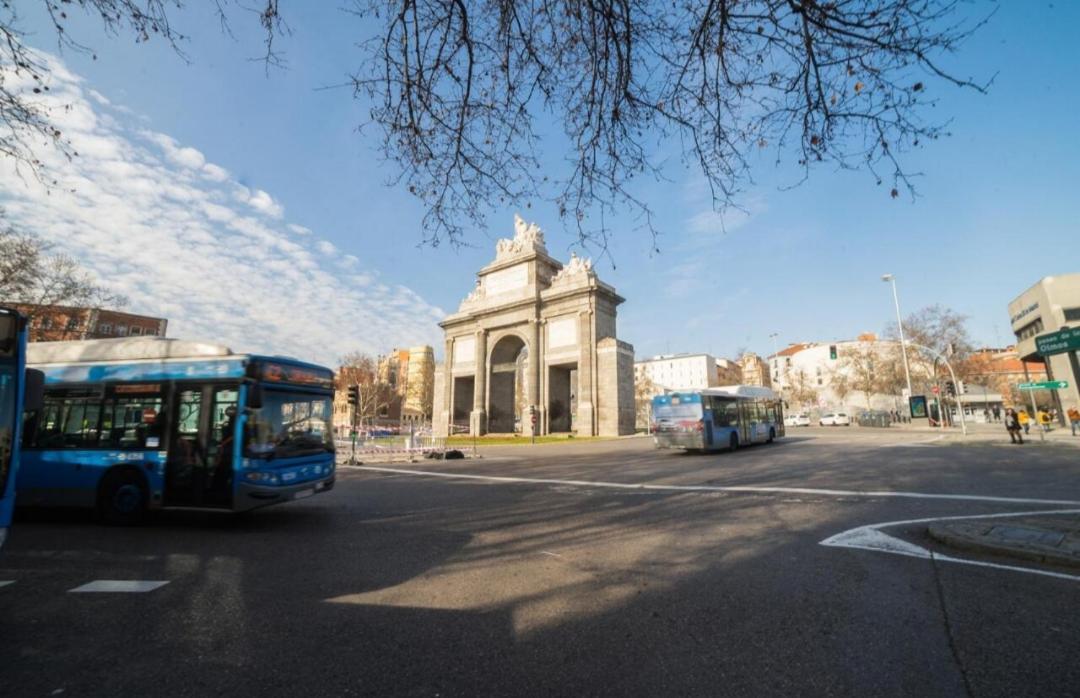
{"type": "Point", "coordinates": [137, 586]}
{"type": "Point", "coordinates": [752, 489]}
{"type": "Point", "coordinates": [871, 537]}
{"type": "Point", "coordinates": [6, 582]}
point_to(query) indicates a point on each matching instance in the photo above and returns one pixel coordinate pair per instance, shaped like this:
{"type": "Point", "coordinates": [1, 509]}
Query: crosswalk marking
{"type": "Point", "coordinates": [118, 585]}
{"type": "Point", "coordinates": [5, 582]}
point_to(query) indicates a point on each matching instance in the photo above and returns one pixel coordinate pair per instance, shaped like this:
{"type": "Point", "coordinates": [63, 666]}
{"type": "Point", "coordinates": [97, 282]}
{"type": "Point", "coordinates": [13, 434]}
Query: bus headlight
{"type": "Point", "coordinates": [261, 478]}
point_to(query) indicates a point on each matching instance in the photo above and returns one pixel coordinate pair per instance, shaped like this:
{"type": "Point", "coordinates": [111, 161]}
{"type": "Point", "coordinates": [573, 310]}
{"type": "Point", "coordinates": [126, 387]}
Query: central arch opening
{"type": "Point", "coordinates": [507, 388]}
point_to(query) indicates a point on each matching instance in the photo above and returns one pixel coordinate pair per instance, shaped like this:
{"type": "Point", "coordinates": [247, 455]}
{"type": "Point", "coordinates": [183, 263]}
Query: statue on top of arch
{"type": "Point", "coordinates": [527, 238]}
{"type": "Point", "coordinates": [576, 267]}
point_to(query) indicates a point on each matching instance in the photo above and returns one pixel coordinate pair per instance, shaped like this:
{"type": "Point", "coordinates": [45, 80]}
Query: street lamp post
{"type": "Point", "coordinates": [889, 278]}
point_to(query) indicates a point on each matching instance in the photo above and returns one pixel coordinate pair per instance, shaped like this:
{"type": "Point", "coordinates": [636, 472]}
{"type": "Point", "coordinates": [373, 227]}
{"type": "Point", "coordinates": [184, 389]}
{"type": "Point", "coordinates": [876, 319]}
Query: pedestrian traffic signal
{"type": "Point", "coordinates": [832, 352]}
{"type": "Point", "coordinates": [354, 395]}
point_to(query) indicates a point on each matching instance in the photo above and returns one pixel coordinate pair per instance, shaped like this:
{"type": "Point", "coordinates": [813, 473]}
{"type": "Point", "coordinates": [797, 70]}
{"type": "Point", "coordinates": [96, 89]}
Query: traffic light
{"type": "Point", "coordinates": [963, 388]}
{"type": "Point", "coordinates": [950, 388]}
{"type": "Point", "coordinates": [832, 352]}
{"type": "Point", "coordinates": [354, 395]}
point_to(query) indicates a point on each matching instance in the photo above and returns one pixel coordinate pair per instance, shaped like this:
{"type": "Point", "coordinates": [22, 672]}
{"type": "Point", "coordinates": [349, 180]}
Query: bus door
{"type": "Point", "coordinates": [747, 417]}
{"type": "Point", "coordinates": [201, 446]}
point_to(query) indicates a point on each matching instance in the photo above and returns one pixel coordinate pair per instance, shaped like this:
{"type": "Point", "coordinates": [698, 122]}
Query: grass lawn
{"type": "Point", "coordinates": [506, 440]}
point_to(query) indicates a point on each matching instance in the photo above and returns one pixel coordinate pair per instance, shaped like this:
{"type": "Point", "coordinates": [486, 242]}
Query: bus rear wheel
{"type": "Point", "coordinates": [122, 498]}
{"type": "Point", "coordinates": [734, 444]}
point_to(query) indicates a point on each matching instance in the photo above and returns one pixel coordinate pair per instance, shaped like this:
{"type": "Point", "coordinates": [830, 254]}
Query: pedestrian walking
{"type": "Point", "coordinates": [1074, 419]}
{"type": "Point", "coordinates": [1044, 419]}
{"type": "Point", "coordinates": [997, 413]}
{"type": "Point", "coordinates": [1025, 420]}
{"type": "Point", "coordinates": [1012, 425]}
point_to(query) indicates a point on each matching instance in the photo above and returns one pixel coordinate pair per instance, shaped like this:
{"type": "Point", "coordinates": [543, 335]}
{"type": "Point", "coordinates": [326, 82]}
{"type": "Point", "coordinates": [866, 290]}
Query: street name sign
{"type": "Point", "coordinates": [1044, 385]}
{"type": "Point", "coordinates": [1059, 342]}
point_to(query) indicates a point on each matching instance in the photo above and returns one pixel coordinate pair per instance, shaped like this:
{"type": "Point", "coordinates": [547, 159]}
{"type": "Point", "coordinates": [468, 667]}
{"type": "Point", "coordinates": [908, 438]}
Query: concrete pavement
{"type": "Point", "coordinates": [587, 583]}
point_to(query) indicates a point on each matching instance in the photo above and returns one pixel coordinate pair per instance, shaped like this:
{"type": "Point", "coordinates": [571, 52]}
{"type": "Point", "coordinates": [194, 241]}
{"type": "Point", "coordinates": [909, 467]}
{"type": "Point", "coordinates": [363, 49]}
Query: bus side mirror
{"type": "Point", "coordinates": [34, 390]}
{"type": "Point", "coordinates": [254, 396]}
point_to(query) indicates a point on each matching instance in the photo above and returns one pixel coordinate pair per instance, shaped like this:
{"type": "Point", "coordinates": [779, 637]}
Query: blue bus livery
{"type": "Point", "coordinates": [717, 418]}
{"type": "Point", "coordinates": [19, 388]}
{"type": "Point", "coordinates": [144, 423]}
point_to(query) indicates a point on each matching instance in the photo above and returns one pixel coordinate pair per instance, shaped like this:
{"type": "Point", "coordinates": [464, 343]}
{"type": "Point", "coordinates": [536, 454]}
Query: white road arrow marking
{"type": "Point", "coordinates": [871, 537]}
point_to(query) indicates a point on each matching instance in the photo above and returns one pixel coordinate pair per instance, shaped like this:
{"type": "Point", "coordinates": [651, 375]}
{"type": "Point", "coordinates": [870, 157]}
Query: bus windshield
{"type": "Point", "coordinates": [289, 424]}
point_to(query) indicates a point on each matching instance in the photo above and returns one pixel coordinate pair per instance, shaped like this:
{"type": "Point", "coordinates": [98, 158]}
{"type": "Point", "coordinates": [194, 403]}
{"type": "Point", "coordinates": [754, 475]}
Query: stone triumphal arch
{"type": "Point", "coordinates": [535, 337]}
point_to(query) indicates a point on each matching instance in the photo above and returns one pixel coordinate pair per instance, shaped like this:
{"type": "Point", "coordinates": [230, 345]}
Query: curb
{"type": "Point", "coordinates": [943, 535]}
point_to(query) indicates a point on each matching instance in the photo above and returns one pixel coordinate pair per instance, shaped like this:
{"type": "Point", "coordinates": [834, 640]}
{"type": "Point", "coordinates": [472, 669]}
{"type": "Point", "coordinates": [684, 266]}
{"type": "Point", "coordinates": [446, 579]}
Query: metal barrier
{"type": "Point", "coordinates": [874, 419]}
{"type": "Point", "coordinates": [388, 448]}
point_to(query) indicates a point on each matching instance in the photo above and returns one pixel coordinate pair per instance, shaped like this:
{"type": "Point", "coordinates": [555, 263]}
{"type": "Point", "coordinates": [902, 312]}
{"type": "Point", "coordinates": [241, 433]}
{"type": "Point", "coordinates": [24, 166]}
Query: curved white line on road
{"type": "Point", "coordinates": [748, 489]}
{"type": "Point", "coordinates": [871, 537]}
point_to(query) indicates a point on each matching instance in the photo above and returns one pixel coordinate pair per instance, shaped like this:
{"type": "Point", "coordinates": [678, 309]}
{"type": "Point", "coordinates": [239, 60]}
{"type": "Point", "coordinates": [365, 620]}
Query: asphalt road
{"type": "Point", "coordinates": [627, 571]}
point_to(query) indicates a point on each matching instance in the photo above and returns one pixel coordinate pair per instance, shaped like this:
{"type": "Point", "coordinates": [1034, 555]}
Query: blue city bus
{"type": "Point", "coordinates": [717, 418]}
{"type": "Point", "coordinates": [19, 389]}
{"type": "Point", "coordinates": [145, 423]}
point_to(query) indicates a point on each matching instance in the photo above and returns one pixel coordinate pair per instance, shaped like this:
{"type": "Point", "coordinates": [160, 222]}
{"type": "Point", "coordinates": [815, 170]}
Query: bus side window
{"type": "Point", "coordinates": [49, 424]}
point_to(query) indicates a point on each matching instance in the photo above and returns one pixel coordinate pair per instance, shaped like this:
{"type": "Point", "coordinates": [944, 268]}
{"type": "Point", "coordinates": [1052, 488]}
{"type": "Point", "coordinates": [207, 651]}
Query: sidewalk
{"type": "Point", "coordinates": [1050, 539]}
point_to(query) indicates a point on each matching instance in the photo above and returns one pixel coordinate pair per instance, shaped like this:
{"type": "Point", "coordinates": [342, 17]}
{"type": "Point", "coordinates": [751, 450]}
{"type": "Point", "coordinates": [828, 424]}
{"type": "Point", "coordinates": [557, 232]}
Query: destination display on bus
{"type": "Point", "coordinates": [278, 372]}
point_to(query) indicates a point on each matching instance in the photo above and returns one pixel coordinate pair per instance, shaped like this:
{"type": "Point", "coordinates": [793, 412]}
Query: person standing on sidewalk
{"type": "Point", "coordinates": [1024, 420]}
{"type": "Point", "coordinates": [1074, 419]}
{"type": "Point", "coordinates": [1012, 425]}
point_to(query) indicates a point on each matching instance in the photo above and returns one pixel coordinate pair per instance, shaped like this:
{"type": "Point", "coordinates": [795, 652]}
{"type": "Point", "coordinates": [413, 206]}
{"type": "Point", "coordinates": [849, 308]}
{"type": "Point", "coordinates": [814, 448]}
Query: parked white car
{"type": "Point", "coordinates": [797, 420]}
{"type": "Point", "coordinates": [835, 419]}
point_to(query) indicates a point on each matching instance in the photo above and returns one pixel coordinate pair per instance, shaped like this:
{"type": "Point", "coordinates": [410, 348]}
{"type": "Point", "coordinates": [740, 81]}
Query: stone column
{"type": "Point", "coordinates": [446, 400]}
{"type": "Point", "coordinates": [586, 398]}
{"type": "Point", "coordinates": [535, 360]}
{"type": "Point", "coordinates": [478, 418]}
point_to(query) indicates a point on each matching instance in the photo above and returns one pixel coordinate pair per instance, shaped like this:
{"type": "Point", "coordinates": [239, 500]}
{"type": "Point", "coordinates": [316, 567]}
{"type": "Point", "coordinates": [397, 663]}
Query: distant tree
{"type": "Point", "coordinates": [463, 92]}
{"type": "Point", "coordinates": [32, 272]}
{"type": "Point", "coordinates": [644, 391]}
{"type": "Point", "coordinates": [945, 332]}
{"type": "Point", "coordinates": [358, 368]}
{"type": "Point", "coordinates": [861, 363]}
{"type": "Point", "coordinates": [840, 383]}
{"type": "Point", "coordinates": [799, 388]}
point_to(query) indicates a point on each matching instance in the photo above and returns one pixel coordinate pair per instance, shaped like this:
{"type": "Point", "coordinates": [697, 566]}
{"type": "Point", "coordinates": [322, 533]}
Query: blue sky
{"type": "Point", "coordinates": [998, 207]}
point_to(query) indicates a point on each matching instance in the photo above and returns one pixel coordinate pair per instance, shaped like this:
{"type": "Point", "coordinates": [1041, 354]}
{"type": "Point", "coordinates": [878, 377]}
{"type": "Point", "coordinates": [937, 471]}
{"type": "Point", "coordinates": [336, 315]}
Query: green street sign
{"type": "Point", "coordinates": [1058, 342]}
{"type": "Point", "coordinates": [1045, 385]}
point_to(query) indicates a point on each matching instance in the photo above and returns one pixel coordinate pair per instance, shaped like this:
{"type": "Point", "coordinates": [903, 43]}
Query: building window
{"type": "Point", "coordinates": [121, 330]}
{"type": "Point", "coordinates": [1072, 315]}
{"type": "Point", "coordinates": [105, 328]}
{"type": "Point", "coordinates": [1030, 330]}
{"type": "Point", "coordinates": [72, 324]}
{"type": "Point", "coordinates": [136, 330]}
{"type": "Point", "coordinates": [820, 382]}
{"type": "Point", "coordinates": [46, 323]}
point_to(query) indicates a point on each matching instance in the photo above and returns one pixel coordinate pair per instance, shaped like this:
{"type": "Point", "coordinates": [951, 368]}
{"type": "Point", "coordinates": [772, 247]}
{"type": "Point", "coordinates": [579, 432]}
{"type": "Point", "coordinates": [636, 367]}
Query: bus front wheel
{"type": "Point", "coordinates": [734, 442]}
{"type": "Point", "coordinates": [122, 498]}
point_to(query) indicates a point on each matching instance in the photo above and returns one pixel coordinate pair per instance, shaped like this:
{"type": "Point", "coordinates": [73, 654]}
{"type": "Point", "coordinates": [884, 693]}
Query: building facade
{"type": "Point", "coordinates": [57, 323]}
{"type": "Point", "coordinates": [678, 371]}
{"type": "Point", "coordinates": [728, 372]}
{"type": "Point", "coordinates": [1050, 305]}
{"type": "Point", "coordinates": [754, 370]}
{"type": "Point", "coordinates": [535, 337]}
{"type": "Point", "coordinates": [841, 375]}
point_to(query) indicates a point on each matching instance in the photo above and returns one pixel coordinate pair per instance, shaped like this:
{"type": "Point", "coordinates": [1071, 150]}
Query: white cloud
{"type": "Point", "coordinates": [265, 204]}
{"type": "Point", "coordinates": [215, 173]}
{"type": "Point", "coordinates": [156, 222]}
